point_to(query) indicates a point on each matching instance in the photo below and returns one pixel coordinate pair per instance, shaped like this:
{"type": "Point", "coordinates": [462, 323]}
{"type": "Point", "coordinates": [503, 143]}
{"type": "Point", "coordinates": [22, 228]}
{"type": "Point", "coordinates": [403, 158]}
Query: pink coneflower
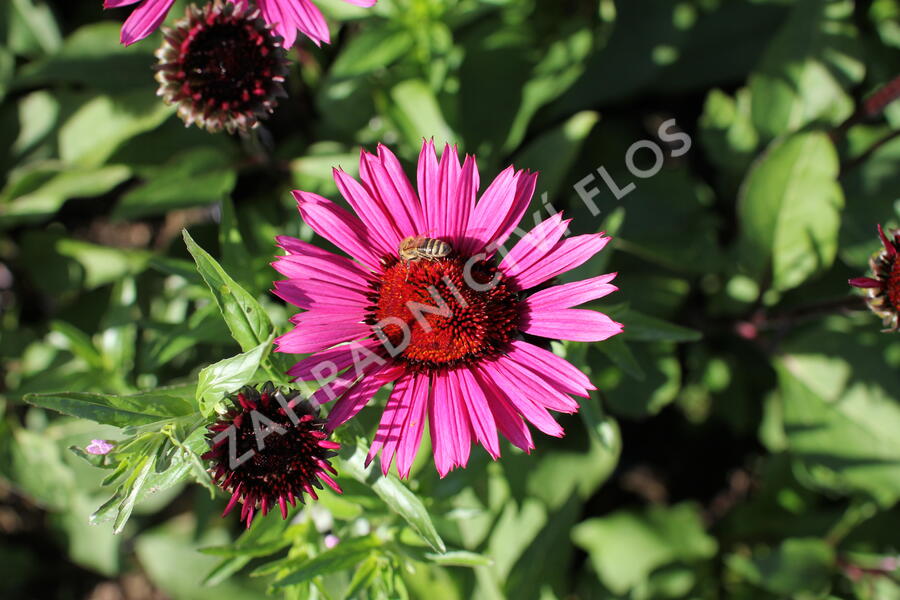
{"type": "Point", "coordinates": [269, 449]}
{"type": "Point", "coordinates": [883, 291]}
{"type": "Point", "coordinates": [443, 318]}
{"type": "Point", "coordinates": [222, 66]}
{"type": "Point", "coordinates": [287, 16]}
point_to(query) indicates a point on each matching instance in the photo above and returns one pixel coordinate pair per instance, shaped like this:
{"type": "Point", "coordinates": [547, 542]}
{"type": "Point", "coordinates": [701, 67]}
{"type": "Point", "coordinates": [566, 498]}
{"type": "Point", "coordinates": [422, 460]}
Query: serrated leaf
{"type": "Point", "coordinates": [248, 322]}
{"type": "Point", "coordinates": [130, 492]}
{"type": "Point", "coordinates": [119, 411]}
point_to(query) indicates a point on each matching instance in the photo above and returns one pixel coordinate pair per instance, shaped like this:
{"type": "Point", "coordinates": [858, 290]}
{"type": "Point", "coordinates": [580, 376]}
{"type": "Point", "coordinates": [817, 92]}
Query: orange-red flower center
{"type": "Point", "coordinates": [440, 313]}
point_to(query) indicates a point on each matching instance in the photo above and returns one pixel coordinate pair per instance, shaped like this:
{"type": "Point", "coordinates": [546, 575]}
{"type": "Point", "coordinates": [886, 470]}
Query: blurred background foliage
{"type": "Point", "coordinates": [746, 439]}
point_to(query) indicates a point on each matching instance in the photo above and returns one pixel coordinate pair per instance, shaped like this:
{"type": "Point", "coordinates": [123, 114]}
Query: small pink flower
{"type": "Point", "coordinates": [331, 540]}
{"type": "Point", "coordinates": [427, 304]}
{"type": "Point", "coordinates": [99, 447]}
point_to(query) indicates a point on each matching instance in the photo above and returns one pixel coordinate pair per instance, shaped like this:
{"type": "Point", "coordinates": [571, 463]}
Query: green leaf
{"type": "Point", "coordinates": [562, 63]}
{"type": "Point", "coordinates": [43, 193]}
{"type": "Point", "coordinates": [726, 130]}
{"type": "Point", "coordinates": [91, 135]}
{"type": "Point", "coordinates": [103, 264]}
{"type": "Point", "coordinates": [249, 324]}
{"type": "Point", "coordinates": [347, 554]}
{"type": "Point", "coordinates": [92, 57]}
{"type": "Point", "coordinates": [617, 350]}
{"type": "Point", "coordinates": [797, 565]}
{"type": "Point", "coordinates": [131, 492]}
{"type": "Point", "coordinates": [119, 411]}
{"type": "Point", "coordinates": [169, 555]}
{"type": "Point", "coordinates": [555, 152]}
{"type": "Point", "coordinates": [228, 375]}
{"type": "Point", "coordinates": [392, 491]}
{"type": "Point", "coordinates": [644, 328]}
{"type": "Point", "coordinates": [790, 210]}
{"type": "Point", "coordinates": [840, 416]}
{"type": "Point", "coordinates": [418, 113]}
{"type": "Point", "coordinates": [373, 49]}
{"type": "Point", "coordinates": [806, 73]}
{"type": "Point", "coordinates": [192, 178]}
{"type": "Point", "coordinates": [7, 68]}
{"type": "Point", "coordinates": [626, 546]}
{"type": "Point", "coordinates": [33, 28]}
{"type": "Point", "coordinates": [459, 558]}
{"type": "Point", "coordinates": [364, 576]}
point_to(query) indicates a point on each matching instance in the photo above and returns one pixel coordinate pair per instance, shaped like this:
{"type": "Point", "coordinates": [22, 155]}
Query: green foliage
{"type": "Point", "coordinates": [742, 442]}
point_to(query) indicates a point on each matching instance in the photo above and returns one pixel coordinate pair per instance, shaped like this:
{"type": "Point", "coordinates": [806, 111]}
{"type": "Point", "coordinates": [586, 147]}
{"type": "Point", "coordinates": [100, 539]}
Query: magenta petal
{"type": "Point", "coordinates": [322, 268]}
{"type": "Point", "coordinates": [390, 429]}
{"type": "Point", "coordinates": [565, 374]}
{"type": "Point", "coordinates": [536, 414]}
{"type": "Point", "coordinates": [332, 361]}
{"type": "Point", "coordinates": [118, 3]}
{"type": "Point", "coordinates": [290, 15]}
{"type": "Point", "coordinates": [490, 211]}
{"type": "Point", "coordinates": [144, 20]}
{"type": "Point", "coordinates": [575, 324]}
{"type": "Point", "coordinates": [534, 245]}
{"type": "Point", "coordinates": [440, 426]}
{"type": "Point", "coordinates": [450, 429]}
{"type": "Point", "coordinates": [567, 255]}
{"type": "Point", "coordinates": [536, 387]}
{"type": "Point", "coordinates": [501, 208]}
{"type": "Point", "coordinates": [414, 426]}
{"type": "Point", "coordinates": [438, 185]}
{"type": "Point", "coordinates": [300, 341]}
{"type": "Point", "coordinates": [338, 227]}
{"type": "Point", "coordinates": [379, 224]}
{"type": "Point", "coordinates": [572, 294]}
{"type": "Point", "coordinates": [508, 421]}
{"type": "Point", "coordinates": [336, 317]}
{"type": "Point", "coordinates": [427, 183]}
{"type": "Point", "coordinates": [476, 405]}
{"type": "Point", "coordinates": [387, 183]}
{"type": "Point", "coordinates": [356, 396]}
{"type": "Point", "coordinates": [309, 295]}
{"type": "Point", "coordinates": [460, 203]}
